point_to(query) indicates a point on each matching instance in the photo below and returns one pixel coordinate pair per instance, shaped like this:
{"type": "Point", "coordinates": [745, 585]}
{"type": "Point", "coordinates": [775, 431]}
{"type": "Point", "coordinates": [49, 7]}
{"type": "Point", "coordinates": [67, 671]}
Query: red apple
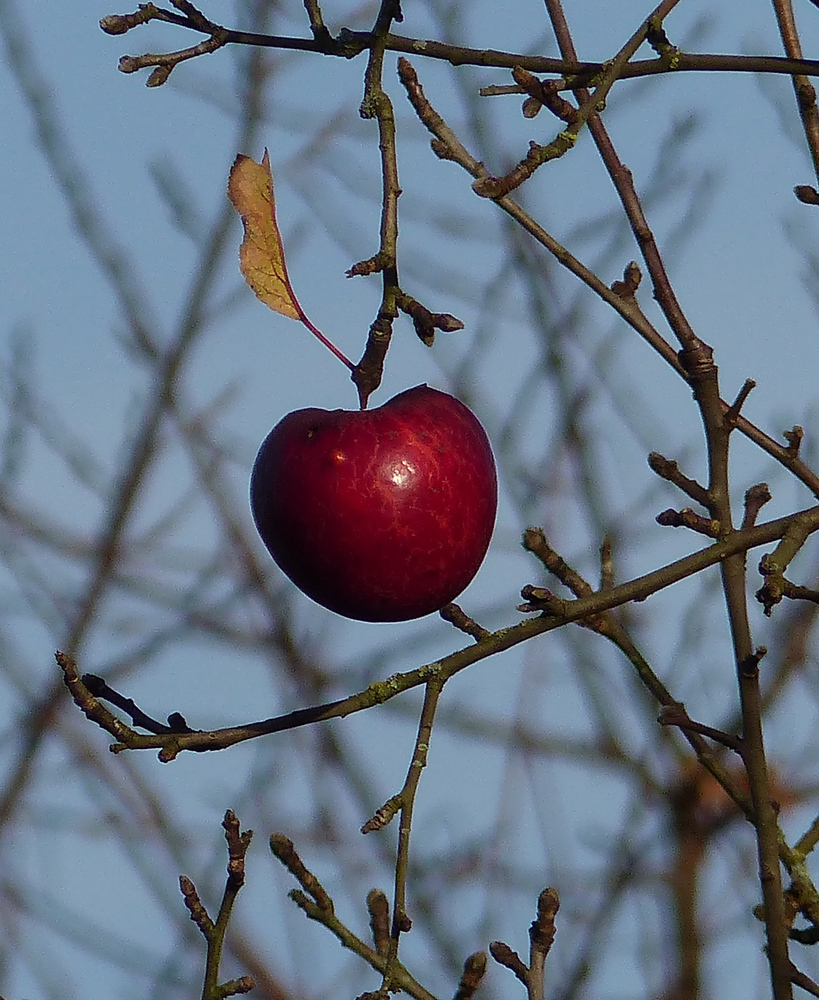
{"type": "Point", "coordinates": [380, 515]}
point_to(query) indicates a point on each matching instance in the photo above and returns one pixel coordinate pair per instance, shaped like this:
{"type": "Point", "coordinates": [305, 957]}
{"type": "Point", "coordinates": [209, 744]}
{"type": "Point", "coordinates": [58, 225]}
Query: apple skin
{"type": "Point", "coordinates": [380, 515]}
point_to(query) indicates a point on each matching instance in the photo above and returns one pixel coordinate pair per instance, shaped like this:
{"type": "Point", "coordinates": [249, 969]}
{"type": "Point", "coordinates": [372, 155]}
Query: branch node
{"type": "Point", "coordinates": [283, 848]}
{"type": "Point", "coordinates": [238, 843]}
{"type": "Point", "coordinates": [384, 815]}
{"type": "Point", "coordinates": [379, 909]}
{"type": "Point", "coordinates": [794, 439]}
{"type": "Point", "coordinates": [233, 987]}
{"type": "Point", "coordinates": [474, 971]}
{"type": "Point", "coordinates": [509, 958]}
{"type": "Point", "coordinates": [456, 616]}
{"type": "Point", "coordinates": [627, 287]}
{"type": "Point", "coordinates": [772, 566]}
{"type": "Point", "coordinates": [199, 914]}
{"type": "Point", "coordinates": [542, 600]}
{"type": "Point", "coordinates": [499, 187]}
{"type": "Point", "coordinates": [424, 321]}
{"type": "Point", "coordinates": [750, 665]}
{"type": "Point", "coordinates": [368, 372]}
{"type": "Point", "coordinates": [675, 714]}
{"type": "Point", "coordinates": [373, 265]}
{"type": "Point", "coordinates": [732, 413]}
{"type": "Point", "coordinates": [543, 93]}
{"type": "Point", "coordinates": [697, 360]}
{"type": "Point", "coordinates": [535, 541]}
{"type": "Point", "coordinates": [806, 194]}
{"type": "Point", "coordinates": [118, 24]}
{"type": "Point", "coordinates": [687, 518]}
{"type": "Point", "coordinates": [755, 499]}
{"type": "Point", "coordinates": [669, 470]}
{"type": "Point", "coordinates": [659, 41]}
{"type": "Point", "coordinates": [542, 931]}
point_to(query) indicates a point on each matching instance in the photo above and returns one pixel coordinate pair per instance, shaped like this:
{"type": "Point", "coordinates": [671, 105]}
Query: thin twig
{"type": "Point", "coordinates": [447, 146]}
{"type": "Point", "coordinates": [474, 971]}
{"type": "Point", "coordinates": [404, 802]}
{"type": "Point", "coordinates": [590, 105]}
{"type": "Point", "coordinates": [172, 744]}
{"type": "Point", "coordinates": [574, 73]}
{"type": "Point", "coordinates": [377, 104]}
{"type": "Point", "coordinates": [214, 930]}
{"type": "Point", "coordinates": [316, 903]}
{"type": "Point", "coordinates": [803, 88]}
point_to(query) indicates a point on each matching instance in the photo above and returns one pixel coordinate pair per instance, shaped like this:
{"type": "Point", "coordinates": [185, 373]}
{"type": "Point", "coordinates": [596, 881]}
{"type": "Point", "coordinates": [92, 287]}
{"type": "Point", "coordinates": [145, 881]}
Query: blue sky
{"type": "Point", "coordinates": [741, 274]}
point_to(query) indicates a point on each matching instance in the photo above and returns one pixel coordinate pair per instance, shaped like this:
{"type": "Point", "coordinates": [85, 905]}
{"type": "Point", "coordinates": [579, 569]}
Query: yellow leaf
{"type": "Point", "coordinates": [261, 256]}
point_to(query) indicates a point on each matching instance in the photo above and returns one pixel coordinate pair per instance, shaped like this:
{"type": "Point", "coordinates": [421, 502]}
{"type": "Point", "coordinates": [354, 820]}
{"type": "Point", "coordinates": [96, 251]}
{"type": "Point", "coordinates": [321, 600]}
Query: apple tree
{"type": "Point", "coordinates": [581, 764]}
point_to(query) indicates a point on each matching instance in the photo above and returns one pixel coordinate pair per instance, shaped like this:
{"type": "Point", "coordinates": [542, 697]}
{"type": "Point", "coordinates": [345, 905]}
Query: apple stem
{"type": "Point", "coordinates": [327, 343]}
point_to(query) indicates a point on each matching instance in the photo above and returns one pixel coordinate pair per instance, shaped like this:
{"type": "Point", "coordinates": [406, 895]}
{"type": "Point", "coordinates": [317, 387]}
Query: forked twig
{"type": "Point", "coordinates": [214, 930]}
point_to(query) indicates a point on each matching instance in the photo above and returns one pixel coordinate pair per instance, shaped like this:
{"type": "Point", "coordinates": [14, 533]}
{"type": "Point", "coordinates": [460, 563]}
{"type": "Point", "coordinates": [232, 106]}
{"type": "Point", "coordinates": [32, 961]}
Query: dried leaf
{"type": "Point", "coordinates": [261, 256]}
